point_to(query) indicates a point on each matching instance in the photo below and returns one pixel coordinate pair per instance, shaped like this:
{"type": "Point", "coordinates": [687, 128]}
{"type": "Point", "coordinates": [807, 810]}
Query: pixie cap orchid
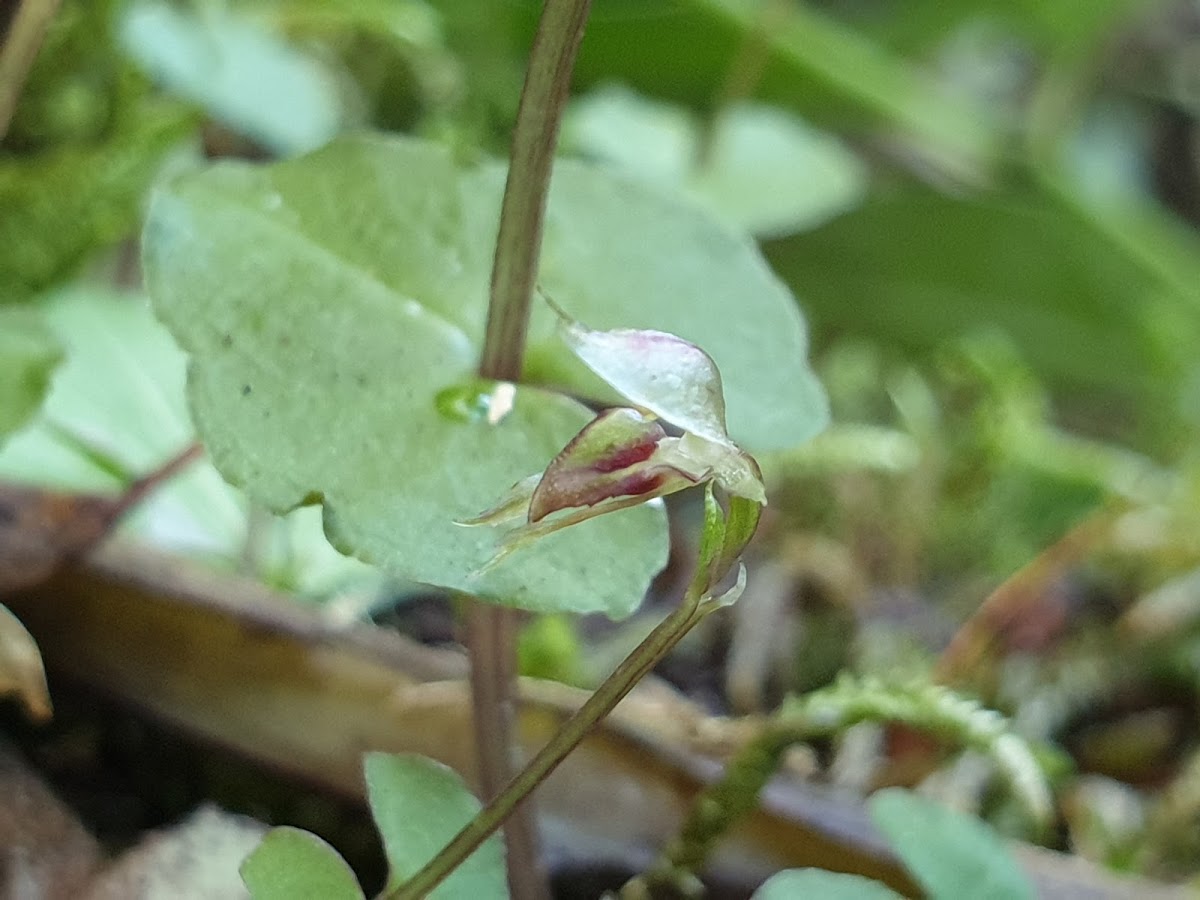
{"type": "Point", "coordinates": [624, 456]}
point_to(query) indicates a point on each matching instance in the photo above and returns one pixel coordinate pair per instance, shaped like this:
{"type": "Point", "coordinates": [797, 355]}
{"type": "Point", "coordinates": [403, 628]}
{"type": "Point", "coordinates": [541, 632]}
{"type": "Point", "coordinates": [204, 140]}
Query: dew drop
{"type": "Point", "coordinates": [477, 400]}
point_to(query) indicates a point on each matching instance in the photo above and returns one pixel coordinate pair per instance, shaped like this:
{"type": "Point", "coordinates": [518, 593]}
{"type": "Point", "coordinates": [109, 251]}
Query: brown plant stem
{"type": "Point", "coordinates": [491, 630]}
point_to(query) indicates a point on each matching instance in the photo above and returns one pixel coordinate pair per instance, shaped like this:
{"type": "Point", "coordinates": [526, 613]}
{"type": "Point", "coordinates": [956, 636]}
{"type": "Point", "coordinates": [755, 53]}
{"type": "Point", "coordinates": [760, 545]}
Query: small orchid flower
{"type": "Point", "coordinates": [624, 456]}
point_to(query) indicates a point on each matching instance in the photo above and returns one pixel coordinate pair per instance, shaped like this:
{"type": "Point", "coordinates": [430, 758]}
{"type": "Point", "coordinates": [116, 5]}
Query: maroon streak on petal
{"type": "Point", "coordinates": [576, 489]}
{"type": "Point", "coordinates": [587, 470]}
{"type": "Point", "coordinates": [637, 483]}
{"type": "Point", "coordinates": [624, 457]}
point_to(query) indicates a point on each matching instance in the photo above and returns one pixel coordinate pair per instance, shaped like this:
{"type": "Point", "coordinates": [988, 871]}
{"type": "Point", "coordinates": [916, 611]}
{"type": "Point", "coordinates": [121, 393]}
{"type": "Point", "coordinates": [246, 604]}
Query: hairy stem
{"type": "Point", "coordinates": [491, 630]}
{"type": "Point", "coordinates": [25, 35]}
{"type": "Point", "coordinates": [927, 707]}
{"type": "Point", "coordinates": [631, 670]}
{"type": "Point", "coordinates": [716, 809]}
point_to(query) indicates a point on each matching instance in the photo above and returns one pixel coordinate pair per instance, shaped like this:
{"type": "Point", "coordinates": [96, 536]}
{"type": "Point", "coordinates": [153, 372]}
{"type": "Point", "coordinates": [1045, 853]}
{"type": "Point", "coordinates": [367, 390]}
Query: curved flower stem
{"type": "Point", "coordinates": [632, 669]}
{"type": "Point", "coordinates": [491, 630]}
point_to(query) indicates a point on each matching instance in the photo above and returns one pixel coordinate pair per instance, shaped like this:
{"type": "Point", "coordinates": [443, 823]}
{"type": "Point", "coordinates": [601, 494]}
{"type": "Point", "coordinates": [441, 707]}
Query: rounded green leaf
{"type": "Point", "coordinates": [817, 884]}
{"type": "Point", "coordinates": [329, 302]}
{"type": "Point", "coordinates": [291, 864]}
{"type": "Point", "coordinates": [950, 854]}
{"type": "Point", "coordinates": [419, 805]}
{"type": "Point", "coordinates": [330, 306]}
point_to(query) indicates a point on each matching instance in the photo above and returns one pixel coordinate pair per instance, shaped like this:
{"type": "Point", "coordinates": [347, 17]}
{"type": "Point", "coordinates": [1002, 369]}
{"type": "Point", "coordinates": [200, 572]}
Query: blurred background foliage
{"type": "Point", "coordinates": [987, 211]}
{"type": "Point", "coordinates": [916, 174]}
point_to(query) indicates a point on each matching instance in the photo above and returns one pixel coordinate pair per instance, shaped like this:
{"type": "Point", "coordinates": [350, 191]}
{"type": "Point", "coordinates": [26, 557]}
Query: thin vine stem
{"type": "Point", "coordinates": [491, 630]}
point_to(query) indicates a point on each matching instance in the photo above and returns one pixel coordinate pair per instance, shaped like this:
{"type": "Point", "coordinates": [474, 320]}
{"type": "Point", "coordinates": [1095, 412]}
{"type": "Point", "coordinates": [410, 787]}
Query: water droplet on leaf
{"type": "Point", "coordinates": [478, 400]}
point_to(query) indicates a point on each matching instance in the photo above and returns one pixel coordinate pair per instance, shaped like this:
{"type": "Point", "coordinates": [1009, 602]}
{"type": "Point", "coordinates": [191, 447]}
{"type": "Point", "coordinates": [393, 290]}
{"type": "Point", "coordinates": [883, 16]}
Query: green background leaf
{"type": "Point", "coordinates": [85, 143]}
{"type": "Point", "coordinates": [951, 854]}
{"type": "Point", "coordinates": [419, 805]}
{"type": "Point", "coordinates": [766, 170]}
{"type": "Point", "coordinates": [815, 66]}
{"type": "Point", "coordinates": [803, 884]}
{"type": "Point", "coordinates": [917, 268]}
{"type": "Point", "coordinates": [28, 354]}
{"type": "Point", "coordinates": [291, 864]}
{"type": "Point", "coordinates": [61, 204]}
{"type": "Point", "coordinates": [243, 75]}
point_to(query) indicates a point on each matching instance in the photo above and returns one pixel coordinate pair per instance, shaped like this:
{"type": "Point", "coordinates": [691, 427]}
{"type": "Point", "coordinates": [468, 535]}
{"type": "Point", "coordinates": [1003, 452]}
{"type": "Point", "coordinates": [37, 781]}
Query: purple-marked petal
{"type": "Point", "coordinates": [607, 458]}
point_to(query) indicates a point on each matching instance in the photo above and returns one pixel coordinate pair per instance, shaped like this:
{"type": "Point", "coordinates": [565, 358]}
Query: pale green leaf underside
{"type": "Point", "coordinates": [120, 390]}
{"type": "Point", "coordinates": [327, 301]}
{"type": "Point", "coordinates": [418, 806]}
{"type": "Point", "coordinates": [28, 354]}
{"type": "Point", "coordinates": [321, 302]}
{"type": "Point", "coordinates": [291, 864]}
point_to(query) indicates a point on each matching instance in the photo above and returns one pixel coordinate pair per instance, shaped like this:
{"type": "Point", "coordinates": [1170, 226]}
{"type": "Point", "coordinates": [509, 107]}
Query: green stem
{"type": "Point", "coordinates": [25, 36]}
{"type": "Point", "coordinates": [491, 630]}
{"type": "Point", "coordinates": [632, 669]}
